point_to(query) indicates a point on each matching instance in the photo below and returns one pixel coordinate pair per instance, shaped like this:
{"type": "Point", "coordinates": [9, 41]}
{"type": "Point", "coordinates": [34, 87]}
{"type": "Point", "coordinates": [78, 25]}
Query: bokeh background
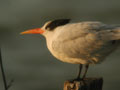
{"type": "Point", "coordinates": [26, 58]}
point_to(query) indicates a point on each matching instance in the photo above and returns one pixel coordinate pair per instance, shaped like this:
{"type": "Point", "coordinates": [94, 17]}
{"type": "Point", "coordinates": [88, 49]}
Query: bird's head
{"type": "Point", "coordinates": [48, 26]}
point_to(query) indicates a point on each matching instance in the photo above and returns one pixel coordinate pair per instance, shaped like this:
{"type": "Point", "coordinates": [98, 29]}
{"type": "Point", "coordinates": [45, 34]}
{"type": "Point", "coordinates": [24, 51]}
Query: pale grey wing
{"type": "Point", "coordinates": [91, 42]}
{"type": "Point", "coordinates": [79, 47]}
{"type": "Point", "coordinates": [71, 31]}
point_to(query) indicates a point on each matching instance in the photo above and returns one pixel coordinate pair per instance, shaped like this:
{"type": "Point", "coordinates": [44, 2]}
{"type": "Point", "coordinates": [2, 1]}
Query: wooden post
{"type": "Point", "coordinates": [86, 84]}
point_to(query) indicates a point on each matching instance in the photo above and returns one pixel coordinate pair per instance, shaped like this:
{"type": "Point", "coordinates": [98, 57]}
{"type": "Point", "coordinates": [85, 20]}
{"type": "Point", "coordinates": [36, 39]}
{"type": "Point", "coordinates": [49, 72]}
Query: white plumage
{"type": "Point", "coordinates": [79, 43]}
{"type": "Point", "coordinates": [82, 43]}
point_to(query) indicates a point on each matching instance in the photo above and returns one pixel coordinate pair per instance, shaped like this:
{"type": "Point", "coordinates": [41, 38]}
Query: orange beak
{"type": "Point", "coordinates": [33, 31]}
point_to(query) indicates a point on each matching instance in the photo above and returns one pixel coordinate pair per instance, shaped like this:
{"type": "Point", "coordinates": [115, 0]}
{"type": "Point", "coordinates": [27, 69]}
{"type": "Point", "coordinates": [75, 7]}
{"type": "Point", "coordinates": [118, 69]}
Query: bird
{"type": "Point", "coordinates": [83, 43]}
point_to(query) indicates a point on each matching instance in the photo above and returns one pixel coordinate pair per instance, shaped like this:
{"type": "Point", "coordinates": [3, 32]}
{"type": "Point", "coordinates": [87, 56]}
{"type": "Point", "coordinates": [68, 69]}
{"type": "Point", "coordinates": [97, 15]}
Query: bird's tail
{"type": "Point", "coordinates": [113, 34]}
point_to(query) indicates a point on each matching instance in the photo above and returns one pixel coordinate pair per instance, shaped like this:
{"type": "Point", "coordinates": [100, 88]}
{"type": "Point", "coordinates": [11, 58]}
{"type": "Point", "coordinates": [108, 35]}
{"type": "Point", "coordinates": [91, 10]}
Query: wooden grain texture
{"type": "Point", "coordinates": [86, 84]}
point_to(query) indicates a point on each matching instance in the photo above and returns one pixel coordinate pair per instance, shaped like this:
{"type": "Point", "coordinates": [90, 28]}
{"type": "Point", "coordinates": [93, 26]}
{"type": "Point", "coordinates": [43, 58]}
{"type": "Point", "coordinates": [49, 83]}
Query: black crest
{"type": "Point", "coordinates": [59, 22]}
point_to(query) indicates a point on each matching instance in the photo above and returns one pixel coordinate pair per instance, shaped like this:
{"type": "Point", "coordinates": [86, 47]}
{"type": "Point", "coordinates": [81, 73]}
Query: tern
{"type": "Point", "coordinates": [83, 43]}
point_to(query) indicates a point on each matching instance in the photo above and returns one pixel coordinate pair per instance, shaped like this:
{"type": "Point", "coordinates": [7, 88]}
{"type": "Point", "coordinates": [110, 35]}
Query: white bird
{"type": "Point", "coordinates": [81, 43]}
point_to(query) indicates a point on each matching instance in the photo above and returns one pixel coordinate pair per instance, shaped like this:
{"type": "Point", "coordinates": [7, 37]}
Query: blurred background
{"type": "Point", "coordinates": [26, 58]}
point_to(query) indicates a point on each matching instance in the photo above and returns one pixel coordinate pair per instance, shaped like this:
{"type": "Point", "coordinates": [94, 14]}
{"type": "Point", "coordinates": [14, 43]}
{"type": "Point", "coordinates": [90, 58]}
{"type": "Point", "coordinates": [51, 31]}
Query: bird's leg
{"type": "Point", "coordinates": [80, 69]}
{"type": "Point", "coordinates": [86, 69]}
{"type": "Point", "coordinates": [78, 76]}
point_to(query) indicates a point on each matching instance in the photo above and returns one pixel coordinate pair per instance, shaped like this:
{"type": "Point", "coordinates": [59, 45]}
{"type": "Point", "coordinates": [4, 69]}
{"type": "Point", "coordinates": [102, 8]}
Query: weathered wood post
{"type": "Point", "coordinates": [86, 84]}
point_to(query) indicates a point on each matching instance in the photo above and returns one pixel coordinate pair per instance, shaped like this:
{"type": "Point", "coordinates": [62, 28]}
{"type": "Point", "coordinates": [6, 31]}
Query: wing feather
{"type": "Point", "coordinates": [83, 40]}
